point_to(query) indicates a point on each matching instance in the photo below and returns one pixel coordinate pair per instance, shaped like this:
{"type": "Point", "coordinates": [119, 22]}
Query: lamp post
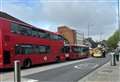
{"type": "Point", "coordinates": [88, 30]}
{"type": "Point", "coordinates": [118, 21]}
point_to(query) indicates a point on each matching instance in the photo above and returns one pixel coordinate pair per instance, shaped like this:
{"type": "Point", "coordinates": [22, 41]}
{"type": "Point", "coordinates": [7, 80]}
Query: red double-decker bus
{"type": "Point", "coordinates": [75, 51]}
{"type": "Point", "coordinates": [30, 45]}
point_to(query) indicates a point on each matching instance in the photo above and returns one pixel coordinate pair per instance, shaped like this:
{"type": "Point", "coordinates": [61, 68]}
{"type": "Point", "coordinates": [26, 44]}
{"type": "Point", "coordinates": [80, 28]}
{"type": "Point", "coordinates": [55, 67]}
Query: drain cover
{"type": "Point", "coordinates": [108, 71]}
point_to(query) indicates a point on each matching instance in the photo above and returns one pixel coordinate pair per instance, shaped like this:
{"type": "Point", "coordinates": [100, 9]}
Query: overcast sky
{"type": "Point", "coordinates": [99, 15]}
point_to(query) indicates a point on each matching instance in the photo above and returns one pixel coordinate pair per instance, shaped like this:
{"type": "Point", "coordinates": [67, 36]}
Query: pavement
{"type": "Point", "coordinates": [106, 73]}
{"type": "Point", "coordinates": [22, 80]}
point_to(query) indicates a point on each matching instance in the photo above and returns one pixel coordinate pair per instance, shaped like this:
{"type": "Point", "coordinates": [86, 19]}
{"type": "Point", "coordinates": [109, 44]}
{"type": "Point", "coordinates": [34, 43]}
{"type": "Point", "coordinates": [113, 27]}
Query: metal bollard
{"type": "Point", "coordinates": [113, 59]}
{"type": "Point", "coordinates": [17, 73]}
{"type": "Point", "coordinates": [117, 57]}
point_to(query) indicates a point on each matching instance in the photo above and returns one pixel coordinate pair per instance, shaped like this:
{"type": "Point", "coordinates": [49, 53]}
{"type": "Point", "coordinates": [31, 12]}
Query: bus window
{"type": "Point", "coordinates": [35, 33]}
{"type": "Point", "coordinates": [44, 49]}
{"type": "Point", "coordinates": [53, 37]}
{"type": "Point", "coordinates": [56, 37]}
{"type": "Point", "coordinates": [42, 34]}
{"type": "Point", "coordinates": [36, 49]}
{"type": "Point", "coordinates": [66, 49]}
{"type": "Point", "coordinates": [19, 29]}
{"type": "Point", "coordinates": [15, 28]}
{"type": "Point", "coordinates": [23, 49]}
{"type": "Point", "coordinates": [76, 49]}
{"type": "Point", "coordinates": [84, 49]}
{"type": "Point", "coordinates": [26, 49]}
{"type": "Point", "coordinates": [25, 30]}
{"type": "Point", "coordinates": [29, 49]}
{"type": "Point", "coordinates": [60, 37]}
{"type": "Point", "coordinates": [17, 49]}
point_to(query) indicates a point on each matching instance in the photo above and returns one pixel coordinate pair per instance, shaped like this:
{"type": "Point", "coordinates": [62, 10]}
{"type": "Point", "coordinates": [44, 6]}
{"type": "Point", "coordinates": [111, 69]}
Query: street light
{"type": "Point", "coordinates": [118, 21]}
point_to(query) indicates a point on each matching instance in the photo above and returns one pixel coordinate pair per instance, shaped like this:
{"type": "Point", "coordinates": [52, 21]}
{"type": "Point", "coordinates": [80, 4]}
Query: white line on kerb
{"type": "Point", "coordinates": [95, 66]}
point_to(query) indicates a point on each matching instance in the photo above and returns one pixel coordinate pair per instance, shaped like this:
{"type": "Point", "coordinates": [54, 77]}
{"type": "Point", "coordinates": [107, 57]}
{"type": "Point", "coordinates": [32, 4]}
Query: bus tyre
{"type": "Point", "coordinates": [27, 63]}
{"type": "Point", "coordinates": [67, 58]}
{"type": "Point", "coordinates": [58, 59]}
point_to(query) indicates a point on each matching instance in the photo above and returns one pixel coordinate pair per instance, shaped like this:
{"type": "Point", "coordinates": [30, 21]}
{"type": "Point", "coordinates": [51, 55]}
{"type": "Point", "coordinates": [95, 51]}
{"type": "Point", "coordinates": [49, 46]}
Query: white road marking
{"type": "Point", "coordinates": [32, 80]}
{"type": "Point", "coordinates": [75, 66]}
{"type": "Point", "coordinates": [95, 66]}
{"type": "Point", "coordinates": [86, 66]}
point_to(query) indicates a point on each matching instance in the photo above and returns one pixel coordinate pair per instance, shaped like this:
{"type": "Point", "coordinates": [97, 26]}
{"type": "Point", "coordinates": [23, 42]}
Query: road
{"type": "Point", "coordinates": [69, 73]}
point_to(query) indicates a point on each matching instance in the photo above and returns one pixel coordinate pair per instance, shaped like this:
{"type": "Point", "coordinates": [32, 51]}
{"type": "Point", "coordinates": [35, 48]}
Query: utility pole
{"type": "Point", "coordinates": [118, 21]}
{"type": "Point", "coordinates": [100, 36]}
{"type": "Point", "coordinates": [88, 30]}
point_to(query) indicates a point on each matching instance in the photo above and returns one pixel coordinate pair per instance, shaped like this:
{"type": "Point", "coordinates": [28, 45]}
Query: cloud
{"type": "Point", "coordinates": [99, 15]}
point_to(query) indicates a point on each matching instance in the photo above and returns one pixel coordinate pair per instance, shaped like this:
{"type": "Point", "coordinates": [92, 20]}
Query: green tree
{"type": "Point", "coordinates": [113, 40]}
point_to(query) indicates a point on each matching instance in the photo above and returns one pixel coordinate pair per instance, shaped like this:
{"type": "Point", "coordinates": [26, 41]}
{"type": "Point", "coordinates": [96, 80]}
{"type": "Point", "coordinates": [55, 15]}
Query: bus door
{"type": "Point", "coordinates": [1, 53]}
{"type": "Point", "coordinates": [75, 52]}
{"type": "Point", "coordinates": [84, 51]}
{"type": "Point", "coordinates": [6, 57]}
{"type": "Point", "coordinates": [66, 51]}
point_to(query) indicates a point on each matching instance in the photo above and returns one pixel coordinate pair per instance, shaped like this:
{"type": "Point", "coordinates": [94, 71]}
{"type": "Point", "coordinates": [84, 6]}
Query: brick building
{"type": "Point", "coordinates": [68, 34]}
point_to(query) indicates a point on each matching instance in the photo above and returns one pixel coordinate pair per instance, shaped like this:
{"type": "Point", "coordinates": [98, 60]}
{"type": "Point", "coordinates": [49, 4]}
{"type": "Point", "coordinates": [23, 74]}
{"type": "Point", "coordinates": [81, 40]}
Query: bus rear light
{"type": "Point", "coordinates": [66, 55]}
{"type": "Point", "coordinates": [0, 56]}
{"type": "Point", "coordinates": [1, 63]}
{"type": "Point", "coordinates": [45, 58]}
{"type": "Point", "coordinates": [61, 57]}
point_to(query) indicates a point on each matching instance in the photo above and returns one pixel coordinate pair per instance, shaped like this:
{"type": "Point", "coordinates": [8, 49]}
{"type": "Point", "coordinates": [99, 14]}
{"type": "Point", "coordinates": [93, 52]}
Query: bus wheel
{"type": "Point", "coordinates": [27, 63]}
{"type": "Point", "coordinates": [67, 58]}
{"type": "Point", "coordinates": [58, 59]}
